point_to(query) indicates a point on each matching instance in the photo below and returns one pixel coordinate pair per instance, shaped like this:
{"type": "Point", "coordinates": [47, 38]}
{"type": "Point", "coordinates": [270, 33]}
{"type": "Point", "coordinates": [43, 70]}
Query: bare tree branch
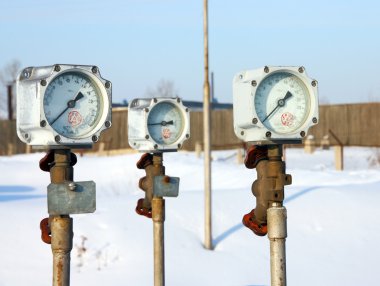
{"type": "Point", "coordinates": [164, 88]}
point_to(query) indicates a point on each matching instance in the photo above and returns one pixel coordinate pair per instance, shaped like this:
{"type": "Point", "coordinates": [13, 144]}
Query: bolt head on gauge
{"type": "Point", "coordinates": [158, 124]}
{"type": "Point", "coordinates": [274, 105]}
{"type": "Point", "coordinates": [62, 105]}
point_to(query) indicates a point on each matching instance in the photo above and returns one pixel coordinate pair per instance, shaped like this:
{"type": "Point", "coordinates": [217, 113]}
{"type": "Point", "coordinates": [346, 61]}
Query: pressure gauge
{"type": "Point", "coordinates": [274, 105]}
{"type": "Point", "coordinates": [158, 124]}
{"type": "Point", "coordinates": [62, 105]}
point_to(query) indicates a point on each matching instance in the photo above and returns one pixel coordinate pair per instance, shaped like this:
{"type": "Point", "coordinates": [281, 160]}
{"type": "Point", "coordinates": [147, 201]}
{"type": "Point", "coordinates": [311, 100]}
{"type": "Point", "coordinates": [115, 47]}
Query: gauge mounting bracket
{"type": "Point", "coordinates": [139, 136]}
{"type": "Point", "coordinates": [34, 129]}
{"type": "Point", "coordinates": [247, 124]}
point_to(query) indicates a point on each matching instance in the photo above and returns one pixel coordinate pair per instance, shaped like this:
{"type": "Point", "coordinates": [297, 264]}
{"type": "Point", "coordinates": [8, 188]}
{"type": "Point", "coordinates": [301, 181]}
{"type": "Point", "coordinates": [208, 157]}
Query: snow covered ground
{"type": "Point", "coordinates": [333, 223]}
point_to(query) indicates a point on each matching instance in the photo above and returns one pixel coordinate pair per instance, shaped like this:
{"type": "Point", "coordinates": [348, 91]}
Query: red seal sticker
{"type": "Point", "coordinates": [166, 133]}
{"type": "Point", "coordinates": [75, 118]}
{"type": "Point", "coordinates": [287, 119]}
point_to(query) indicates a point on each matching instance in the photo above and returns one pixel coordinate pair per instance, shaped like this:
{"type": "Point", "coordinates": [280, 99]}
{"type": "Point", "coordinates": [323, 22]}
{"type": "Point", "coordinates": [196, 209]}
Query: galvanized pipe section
{"type": "Point", "coordinates": [277, 234]}
{"type": "Point", "coordinates": [61, 245]}
{"type": "Point", "coordinates": [158, 217]}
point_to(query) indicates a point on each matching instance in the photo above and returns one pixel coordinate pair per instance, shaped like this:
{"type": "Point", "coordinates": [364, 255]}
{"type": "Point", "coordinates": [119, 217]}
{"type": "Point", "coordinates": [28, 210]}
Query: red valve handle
{"type": "Point", "coordinates": [141, 210]}
{"type": "Point", "coordinates": [47, 162]}
{"type": "Point", "coordinates": [255, 154]}
{"type": "Point", "coordinates": [45, 231]}
{"type": "Point", "coordinates": [257, 228]}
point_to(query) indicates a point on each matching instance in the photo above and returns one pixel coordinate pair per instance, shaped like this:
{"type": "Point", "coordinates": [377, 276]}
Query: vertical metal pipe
{"type": "Point", "coordinates": [158, 217]}
{"type": "Point", "coordinates": [206, 134]}
{"type": "Point", "coordinates": [61, 245]}
{"type": "Point", "coordinates": [61, 226]}
{"type": "Point", "coordinates": [277, 233]}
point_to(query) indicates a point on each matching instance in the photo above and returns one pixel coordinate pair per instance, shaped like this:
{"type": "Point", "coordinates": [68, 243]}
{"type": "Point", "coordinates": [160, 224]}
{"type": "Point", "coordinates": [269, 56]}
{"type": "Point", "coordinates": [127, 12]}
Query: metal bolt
{"type": "Point", "coordinates": [254, 120]}
{"type": "Point", "coordinates": [43, 82]}
{"type": "Point", "coordinates": [179, 145]}
{"type": "Point", "coordinates": [301, 69]}
{"type": "Point", "coordinates": [57, 138]}
{"type": "Point", "coordinates": [27, 73]}
{"type": "Point", "coordinates": [146, 136]}
{"type": "Point", "coordinates": [268, 134]}
{"type": "Point", "coordinates": [241, 76]}
{"type": "Point", "coordinates": [266, 69]}
{"type": "Point", "coordinates": [108, 84]}
{"type": "Point", "coordinates": [26, 135]}
{"type": "Point", "coordinates": [178, 100]}
{"type": "Point", "coordinates": [187, 135]}
{"type": "Point", "coordinates": [107, 124]}
{"type": "Point", "coordinates": [155, 146]}
{"type": "Point", "coordinates": [155, 100]}
{"type": "Point", "coordinates": [314, 83]}
{"type": "Point", "coordinates": [187, 110]}
{"type": "Point", "coordinates": [302, 133]}
{"type": "Point", "coordinates": [146, 109]}
{"type": "Point", "coordinates": [94, 138]}
{"type": "Point", "coordinates": [315, 120]}
{"type": "Point", "coordinates": [72, 186]}
{"type": "Point", "coordinates": [242, 132]}
{"type": "Point", "coordinates": [94, 69]}
{"type": "Point", "coordinates": [166, 179]}
{"type": "Point", "coordinates": [57, 68]}
{"type": "Point", "coordinates": [253, 83]}
{"type": "Point", "coordinates": [43, 123]}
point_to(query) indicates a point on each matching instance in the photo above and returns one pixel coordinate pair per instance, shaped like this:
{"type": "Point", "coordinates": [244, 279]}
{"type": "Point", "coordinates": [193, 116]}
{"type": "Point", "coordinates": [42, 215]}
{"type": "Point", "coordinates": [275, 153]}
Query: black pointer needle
{"type": "Point", "coordinates": [70, 104]}
{"type": "Point", "coordinates": [163, 123]}
{"type": "Point", "coordinates": [280, 103]}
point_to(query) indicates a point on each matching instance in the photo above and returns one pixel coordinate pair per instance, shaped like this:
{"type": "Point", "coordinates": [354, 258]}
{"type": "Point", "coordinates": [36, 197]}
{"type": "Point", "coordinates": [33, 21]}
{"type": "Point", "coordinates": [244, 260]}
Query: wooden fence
{"type": "Point", "coordinates": [353, 124]}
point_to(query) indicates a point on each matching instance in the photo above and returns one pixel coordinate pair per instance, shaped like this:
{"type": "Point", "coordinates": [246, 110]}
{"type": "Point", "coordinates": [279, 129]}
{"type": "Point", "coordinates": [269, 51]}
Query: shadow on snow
{"type": "Point", "coordinates": [17, 193]}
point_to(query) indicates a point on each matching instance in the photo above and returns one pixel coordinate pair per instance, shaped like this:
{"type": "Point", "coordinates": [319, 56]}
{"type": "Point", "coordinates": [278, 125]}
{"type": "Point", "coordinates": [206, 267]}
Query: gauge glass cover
{"type": "Point", "coordinates": [165, 123]}
{"type": "Point", "coordinates": [73, 104]}
{"type": "Point", "coordinates": [282, 102]}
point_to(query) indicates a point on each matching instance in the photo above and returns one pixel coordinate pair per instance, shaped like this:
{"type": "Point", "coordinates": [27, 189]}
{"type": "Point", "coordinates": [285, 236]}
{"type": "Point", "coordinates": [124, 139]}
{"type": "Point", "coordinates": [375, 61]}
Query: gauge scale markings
{"type": "Point", "coordinates": [282, 95]}
{"type": "Point", "coordinates": [73, 108]}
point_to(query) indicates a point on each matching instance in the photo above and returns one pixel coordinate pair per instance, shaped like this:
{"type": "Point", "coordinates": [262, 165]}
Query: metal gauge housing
{"type": "Point", "coordinates": [274, 105]}
{"type": "Point", "coordinates": [158, 124]}
{"type": "Point", "coordinates": [62, 105]}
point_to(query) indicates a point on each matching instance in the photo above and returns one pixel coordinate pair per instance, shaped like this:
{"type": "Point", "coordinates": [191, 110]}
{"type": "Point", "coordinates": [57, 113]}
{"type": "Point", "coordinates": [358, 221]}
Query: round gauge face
{"type": "Point", "coordinates": [73, 104]}
{"type": "Point", "coordinates": [165, 123]}
{"type": "Point", "coordinates": [282, 102]}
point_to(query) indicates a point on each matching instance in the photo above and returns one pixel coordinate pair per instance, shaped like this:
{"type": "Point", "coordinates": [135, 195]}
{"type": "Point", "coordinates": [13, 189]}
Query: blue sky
{"type": "Point", "coordinates": [138, 43]}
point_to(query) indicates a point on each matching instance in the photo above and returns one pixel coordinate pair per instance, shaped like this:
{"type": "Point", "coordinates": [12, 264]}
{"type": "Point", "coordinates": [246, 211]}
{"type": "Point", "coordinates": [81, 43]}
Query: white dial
{"type": "Point", "coordinates": [165, 123]}
{"type": "Point", "coordinates": [73, 104]}
{"type": "Point", "coordinates": [282, 102]}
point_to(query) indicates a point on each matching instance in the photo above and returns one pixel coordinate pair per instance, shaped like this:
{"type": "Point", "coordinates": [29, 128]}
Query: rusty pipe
{"type": "Point", "coordinates": [61, 245]}
{"type": "Point", "coordinates": [61, 226]}
{"type": "Point", "coordinates": [152, 164]}
{"type": "Point", "coordinates": [158, 217]}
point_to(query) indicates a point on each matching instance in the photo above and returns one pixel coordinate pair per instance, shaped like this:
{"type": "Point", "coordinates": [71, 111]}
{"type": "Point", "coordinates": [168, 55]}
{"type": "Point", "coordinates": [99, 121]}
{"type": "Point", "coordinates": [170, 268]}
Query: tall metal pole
{"type": "Point", "coordinates": [10, 99]}
{"type": "Point", "coordinates": [206, 134]}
